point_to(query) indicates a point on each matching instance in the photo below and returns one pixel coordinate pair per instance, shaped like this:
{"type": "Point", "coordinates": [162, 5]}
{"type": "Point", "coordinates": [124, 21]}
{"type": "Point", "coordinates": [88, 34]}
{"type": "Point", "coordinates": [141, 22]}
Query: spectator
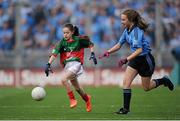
{"type": "Point", "coordinates": [95, 17]}
{"type": "Point", "coordinates": [3, 16]}
{"type": "Point", "coordinates": [6, 37]}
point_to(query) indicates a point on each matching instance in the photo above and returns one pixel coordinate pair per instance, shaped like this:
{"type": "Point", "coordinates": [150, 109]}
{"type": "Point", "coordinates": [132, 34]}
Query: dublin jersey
{"type": "Point", "coordinates": [135, 38]}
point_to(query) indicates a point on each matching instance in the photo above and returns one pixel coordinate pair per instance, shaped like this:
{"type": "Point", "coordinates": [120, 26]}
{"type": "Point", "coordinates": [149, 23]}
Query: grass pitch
{"type": "Point", "coordinates": [158, 104]}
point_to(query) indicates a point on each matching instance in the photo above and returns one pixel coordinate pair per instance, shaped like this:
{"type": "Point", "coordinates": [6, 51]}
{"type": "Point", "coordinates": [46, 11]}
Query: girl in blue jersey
{"type": "Point", "coordinates": [140, 61]}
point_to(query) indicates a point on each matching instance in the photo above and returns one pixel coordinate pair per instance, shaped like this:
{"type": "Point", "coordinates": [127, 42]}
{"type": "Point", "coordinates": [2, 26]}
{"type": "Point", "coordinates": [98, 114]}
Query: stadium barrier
{"type": "Point", "coordinates": [93, 77]}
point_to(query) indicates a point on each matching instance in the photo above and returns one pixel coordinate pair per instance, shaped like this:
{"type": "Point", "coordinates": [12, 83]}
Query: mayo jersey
{"type": "Point", "coordinates": [72, 49]}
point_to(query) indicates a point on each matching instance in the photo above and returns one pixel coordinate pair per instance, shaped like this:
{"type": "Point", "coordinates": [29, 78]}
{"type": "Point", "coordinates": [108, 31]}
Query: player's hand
{"type": "Point", "coordinates": [122, 62]}
{"type": "Point", "coordinates": [93, 57]}
{"type": "Point", "coordinates": [48, 69]}
{"type": "Point", "coordinates": [106, 54]}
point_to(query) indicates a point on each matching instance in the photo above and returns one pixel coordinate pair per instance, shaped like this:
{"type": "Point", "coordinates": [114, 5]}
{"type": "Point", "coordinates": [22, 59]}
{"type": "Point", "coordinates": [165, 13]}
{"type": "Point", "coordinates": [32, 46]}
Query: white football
{"type": "Point", "coordinates": [38, 93]}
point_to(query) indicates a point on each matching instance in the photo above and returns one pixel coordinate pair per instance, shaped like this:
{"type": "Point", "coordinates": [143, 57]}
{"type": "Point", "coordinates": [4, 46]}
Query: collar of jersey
{"type": "Point", "coordinates": [129, 31]}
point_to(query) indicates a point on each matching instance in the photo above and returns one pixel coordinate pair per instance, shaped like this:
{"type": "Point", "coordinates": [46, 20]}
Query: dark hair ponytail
{"type": "Point", "coordinates": [141, 23]}
{"type": "Point", "coordinates": [76, 31]}
{"type": "Point", "coordinates": [73, 29]}
{"type": "Point", "coordinates": [134, 16]}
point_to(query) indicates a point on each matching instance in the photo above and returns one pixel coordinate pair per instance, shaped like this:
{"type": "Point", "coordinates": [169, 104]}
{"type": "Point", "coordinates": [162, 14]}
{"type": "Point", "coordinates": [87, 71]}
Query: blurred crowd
{"type": "Point", "coordinates": [42, 21]}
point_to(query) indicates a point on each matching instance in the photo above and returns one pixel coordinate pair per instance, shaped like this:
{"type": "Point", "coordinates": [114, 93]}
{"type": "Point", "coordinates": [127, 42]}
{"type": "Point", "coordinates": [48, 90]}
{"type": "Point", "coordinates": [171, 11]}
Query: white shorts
{"type": "Point", "coordinates": [74, 67]}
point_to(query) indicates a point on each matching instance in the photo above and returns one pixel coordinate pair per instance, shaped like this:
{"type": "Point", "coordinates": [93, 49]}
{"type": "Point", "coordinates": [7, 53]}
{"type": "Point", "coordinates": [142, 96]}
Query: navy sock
{"type": "Point", "coordinates": [159, 81]}
{"type": "Point", "coordinates": [127, 98]}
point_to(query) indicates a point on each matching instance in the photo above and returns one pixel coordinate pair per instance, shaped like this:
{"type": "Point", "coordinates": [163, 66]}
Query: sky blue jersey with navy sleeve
{"type": "Point", "coordinates": [135, 38]}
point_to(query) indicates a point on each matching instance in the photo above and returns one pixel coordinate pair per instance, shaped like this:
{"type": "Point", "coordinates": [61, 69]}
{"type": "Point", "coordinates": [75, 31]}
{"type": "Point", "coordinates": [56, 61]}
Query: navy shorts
{"type": "Point", "coordinates": [144, 64]}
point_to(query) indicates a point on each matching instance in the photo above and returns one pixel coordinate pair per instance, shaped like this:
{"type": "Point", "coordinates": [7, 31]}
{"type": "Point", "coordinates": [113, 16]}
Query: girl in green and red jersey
{"type": "Point", "coordinates": [71, 50]}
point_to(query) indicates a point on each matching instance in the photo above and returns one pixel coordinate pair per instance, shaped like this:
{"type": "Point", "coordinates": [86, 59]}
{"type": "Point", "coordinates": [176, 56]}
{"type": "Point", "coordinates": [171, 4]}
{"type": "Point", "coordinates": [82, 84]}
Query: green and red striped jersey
{"type": "Point", "coordinates": [72, 49]}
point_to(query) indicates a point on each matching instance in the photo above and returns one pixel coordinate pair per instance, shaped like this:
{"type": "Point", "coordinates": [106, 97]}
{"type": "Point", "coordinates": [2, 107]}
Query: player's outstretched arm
{"type": "Point", "coordinates": [93, 57]}
{"type": "Point", "coordinates": [111, 50]}
{"type": "Point", "coordinates": [48, 65]}
{"type": "Point", "coordinates": [52, 58]}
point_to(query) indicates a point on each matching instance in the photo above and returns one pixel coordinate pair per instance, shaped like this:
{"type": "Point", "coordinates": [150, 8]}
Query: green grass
{"type": "Point", "coordinates": [156, 104]}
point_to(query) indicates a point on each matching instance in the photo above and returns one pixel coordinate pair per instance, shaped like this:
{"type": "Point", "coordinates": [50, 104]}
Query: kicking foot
{"type": "Point", "coordinates": [73, 103]}
{"type": "Point", "coordinates": [168, 83]}
{"type": "Point", "coordinates": [122, 111]}
{"type": "Point", "coordinates": [88, 104]}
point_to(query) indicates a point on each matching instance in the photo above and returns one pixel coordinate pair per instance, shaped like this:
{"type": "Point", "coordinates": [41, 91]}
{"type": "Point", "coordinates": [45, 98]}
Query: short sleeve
{"type": "Point", "coordinates": [122, 39]}
{"type": "Point", "coordinates": [56, 49]}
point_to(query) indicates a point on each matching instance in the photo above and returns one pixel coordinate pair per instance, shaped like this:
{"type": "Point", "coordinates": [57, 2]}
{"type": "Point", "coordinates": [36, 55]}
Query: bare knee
{"type": "Point", "coordinates": [126, 85]}
{"type": "Point", "coordinates": [64, 81]}
{"type": "Point", "coordinates": [146, 89]}
{"type": "Point", "coordinates": [146, 83]}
